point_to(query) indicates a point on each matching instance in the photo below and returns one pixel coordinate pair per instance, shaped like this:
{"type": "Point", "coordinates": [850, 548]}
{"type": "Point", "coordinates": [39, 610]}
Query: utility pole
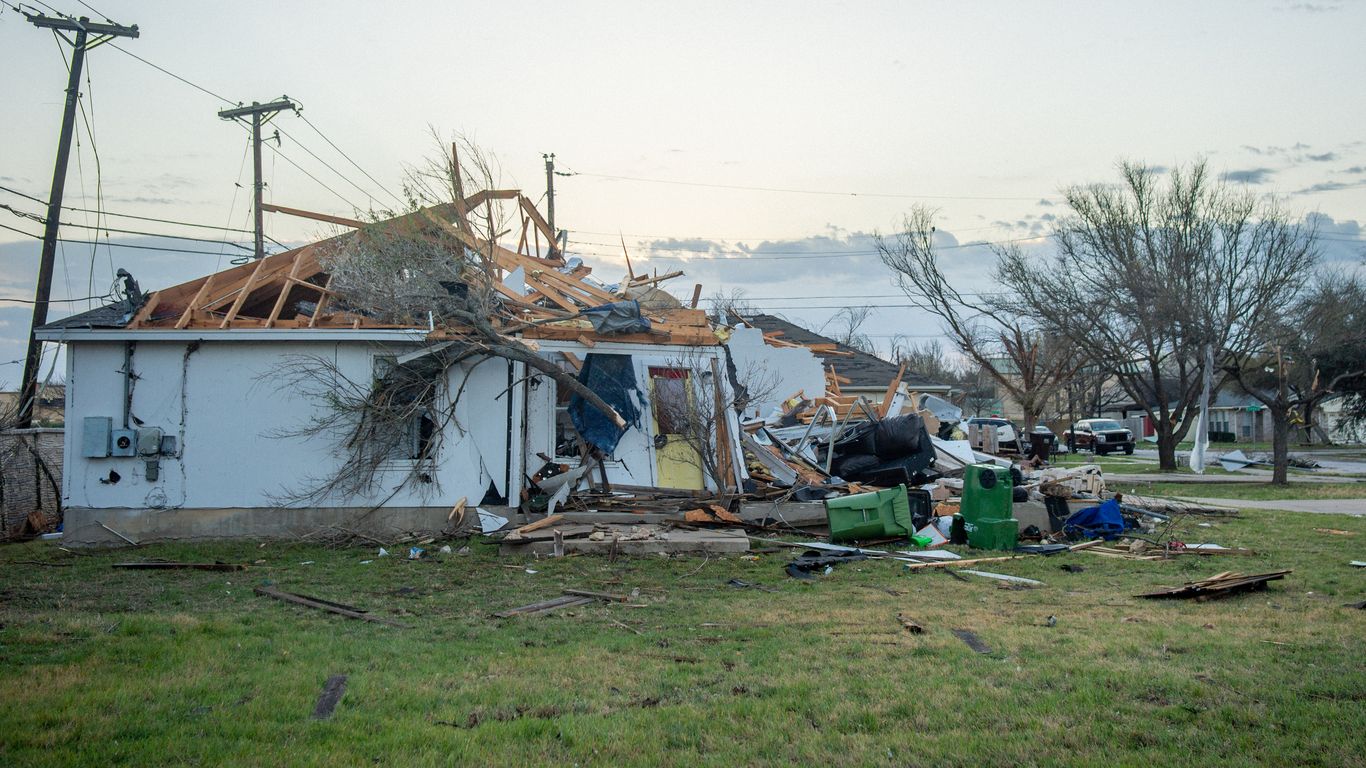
{"type": "Point", "coordinates": [260, 115]}
{"type": "Point", "coordinates": [550, 190]}
{"type": "Point", "coordinates": [88, 35]}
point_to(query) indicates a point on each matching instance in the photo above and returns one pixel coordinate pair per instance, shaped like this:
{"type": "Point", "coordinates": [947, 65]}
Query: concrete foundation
{"type": "Point", "coordinates": [82, 524]}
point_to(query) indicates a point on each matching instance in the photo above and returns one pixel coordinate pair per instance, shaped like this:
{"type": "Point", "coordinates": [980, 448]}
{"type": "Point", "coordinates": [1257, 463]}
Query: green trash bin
{"type": "Point", "coordinates": [986, 507]}
{"type": "Point", "coordinates": [876, 515]}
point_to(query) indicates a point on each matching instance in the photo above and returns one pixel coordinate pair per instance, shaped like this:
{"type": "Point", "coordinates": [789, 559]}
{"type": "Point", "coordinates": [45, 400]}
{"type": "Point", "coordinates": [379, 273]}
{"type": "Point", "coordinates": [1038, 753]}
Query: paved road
{"type": "Point", "coordinates": [1165, 477]}
{"type": "Point", "coordinates": [1356, 507]}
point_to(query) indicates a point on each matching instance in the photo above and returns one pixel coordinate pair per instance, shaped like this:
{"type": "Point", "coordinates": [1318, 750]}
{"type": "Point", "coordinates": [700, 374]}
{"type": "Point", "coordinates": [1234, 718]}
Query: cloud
{"type": "Point", "coordinates": [1338, 240]}
{"type": "Point", "coordinates": [1323, 158]}
{"type": "Point", "coordinates": [1328, 186]}
{"type": "Point", "coordinates": [1354, 169]}
{"type": "Point", "coordinates": [1249, 176]}
{"type": "Point", "coordinates": [1315, 7]}
{"type": "Point", "coordinates": [1045, 202]}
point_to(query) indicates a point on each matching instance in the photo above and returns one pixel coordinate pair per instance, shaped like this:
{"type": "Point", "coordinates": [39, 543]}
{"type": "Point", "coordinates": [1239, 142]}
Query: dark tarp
{"type": "Point", "coordinates": [617, 317]}
{"type": "Point", "coordinates": [613, 378]}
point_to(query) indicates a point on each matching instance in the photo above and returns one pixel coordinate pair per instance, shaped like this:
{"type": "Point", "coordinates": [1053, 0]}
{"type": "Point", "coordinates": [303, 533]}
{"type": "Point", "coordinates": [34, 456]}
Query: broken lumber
{"type": "Point", "coordinates": [160, 565]}
{"type": "Point", "coordinates": [564, 601]}
{"type": "Point", "coordinates": [1218, 586]}
{"type": "Point", "coordinates": [324, 605]}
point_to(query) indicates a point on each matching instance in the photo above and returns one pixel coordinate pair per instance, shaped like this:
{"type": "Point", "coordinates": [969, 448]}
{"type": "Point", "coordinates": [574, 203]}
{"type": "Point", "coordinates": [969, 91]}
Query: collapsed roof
{"type": "Point", "coordinates": [540, 294]}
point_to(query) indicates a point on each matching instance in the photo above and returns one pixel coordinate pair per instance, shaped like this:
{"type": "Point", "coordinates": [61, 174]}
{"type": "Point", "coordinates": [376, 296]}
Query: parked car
{"type": "Point", "coordinates": [1040, 429]}
{"type": "Point", "coordinates": [1101, 436]}
{"type": "Point", "coordinates": [1006, 431]}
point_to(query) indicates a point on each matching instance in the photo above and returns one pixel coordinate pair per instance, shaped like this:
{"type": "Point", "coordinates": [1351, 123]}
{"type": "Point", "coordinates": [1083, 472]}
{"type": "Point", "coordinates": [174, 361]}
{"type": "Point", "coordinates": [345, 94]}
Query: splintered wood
{"type": "Point", "coordinates": [1218, 586]}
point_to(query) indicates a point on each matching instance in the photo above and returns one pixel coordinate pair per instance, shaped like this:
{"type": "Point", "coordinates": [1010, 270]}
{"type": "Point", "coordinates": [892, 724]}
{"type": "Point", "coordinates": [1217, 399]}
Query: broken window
{"type": "Point", "coordinates": [405, 388]}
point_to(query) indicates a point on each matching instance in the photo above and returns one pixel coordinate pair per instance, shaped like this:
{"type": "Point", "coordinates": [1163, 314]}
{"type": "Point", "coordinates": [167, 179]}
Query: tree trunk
{"type": "Point", "coordinates": [1166, 450]}
{"type": "Point", "coordinates": [1280, 444]}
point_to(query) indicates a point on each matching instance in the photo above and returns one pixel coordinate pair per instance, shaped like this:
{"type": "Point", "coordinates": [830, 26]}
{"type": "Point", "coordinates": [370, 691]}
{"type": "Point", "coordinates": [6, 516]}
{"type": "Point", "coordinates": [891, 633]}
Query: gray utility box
{"type": "Point", "coordinates": [95, 432]}
{"type": "Point", "coordinates": [124, 442]}
{"type": "Point", "coordinates": [149, 441]}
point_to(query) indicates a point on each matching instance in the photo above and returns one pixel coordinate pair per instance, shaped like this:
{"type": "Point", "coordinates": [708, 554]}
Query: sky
{"type": "Point", "coordinates": [757, 146]}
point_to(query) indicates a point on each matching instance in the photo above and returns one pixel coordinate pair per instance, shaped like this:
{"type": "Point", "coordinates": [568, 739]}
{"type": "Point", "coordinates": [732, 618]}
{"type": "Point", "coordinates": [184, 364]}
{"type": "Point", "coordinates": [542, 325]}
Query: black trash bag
{"type": "Point", "coordinates": [1019, 494]}
{"type": "Point", "coordinates": [814, 561]}
{"type": "Point", "coordinates": [1016, 476]}
{"type": "Point", "coordinates": [899, 436]}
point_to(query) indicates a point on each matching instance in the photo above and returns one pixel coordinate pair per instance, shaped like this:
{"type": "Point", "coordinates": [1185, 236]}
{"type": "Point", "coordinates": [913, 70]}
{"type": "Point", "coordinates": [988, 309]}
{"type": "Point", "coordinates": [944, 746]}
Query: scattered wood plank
{"type": "Point", "coordinates": [607, 596]}
{"type": "Point", "coordinates": [972, 640]}
{"type": "Point", "coordinates": [564, 601]}
{"type": "Point", "coordinates": [333, 690]}
{"type": "Point", "coordinates": [160, 565]}
{"type": "Point", "coordinates": [1218, 586]}
{"type": "Point", "coordinates": [116, 533]}
{"type": "Point", "coordinates": [325, 605]}
{"type": "Point", "coordinates": [539, 524]}
{"type": "Point", "coordinates": [910, 624]}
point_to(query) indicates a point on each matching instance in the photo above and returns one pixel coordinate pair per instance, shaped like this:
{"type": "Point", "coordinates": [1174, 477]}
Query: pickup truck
{"type": "Point", "coordinates": [1100, 436]}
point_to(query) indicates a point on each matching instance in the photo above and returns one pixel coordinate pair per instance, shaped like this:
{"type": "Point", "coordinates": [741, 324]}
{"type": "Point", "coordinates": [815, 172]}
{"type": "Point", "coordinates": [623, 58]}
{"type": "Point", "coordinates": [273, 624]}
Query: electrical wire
{"type": "Point", "coordinates": [316, 180]}
{"type": "Point", "coordinates": [107, 230]}
{"type": "Point", "coordinates": [56, 301]}
{"type": "Point", "coordinates": [127, 215]}
{"type": "Point", "coordinates": [332, 144]}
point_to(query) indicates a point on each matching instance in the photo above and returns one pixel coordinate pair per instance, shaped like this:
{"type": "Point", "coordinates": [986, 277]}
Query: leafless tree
{"type": "Point", "coordinates": [1311, 348]}
{"type": "Point", "coordinates": [1021, 355]}
{"type": "Point", "coordinates": [726, 304]}
{"type": "Point", "coordinates": [413, 270]}
{"type": "Point", "coordinates": [925, 358]}
{"type": "Point", "coordinates": [846, 328]}
{"type": "Point", "coordinates": [1147, 275]}
{"type": "Point", "coordinates": [697, 418]}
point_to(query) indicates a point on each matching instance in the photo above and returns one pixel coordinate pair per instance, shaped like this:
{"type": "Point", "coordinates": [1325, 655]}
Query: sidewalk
{"type": "Point", "coordinates": [1321, 506]}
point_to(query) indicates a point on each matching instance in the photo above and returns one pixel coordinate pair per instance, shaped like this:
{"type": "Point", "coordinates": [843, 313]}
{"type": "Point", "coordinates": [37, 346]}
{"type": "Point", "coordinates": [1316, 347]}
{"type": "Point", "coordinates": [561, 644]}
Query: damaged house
{"type": "Point", "coordinates": [380, 380]}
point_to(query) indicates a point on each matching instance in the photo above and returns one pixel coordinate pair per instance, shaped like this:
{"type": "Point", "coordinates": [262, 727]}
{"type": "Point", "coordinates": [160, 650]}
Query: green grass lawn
{"type": "Point", "coordinates": [114, 667]}
{"type": "Point", "coordinates": [1250, 491]}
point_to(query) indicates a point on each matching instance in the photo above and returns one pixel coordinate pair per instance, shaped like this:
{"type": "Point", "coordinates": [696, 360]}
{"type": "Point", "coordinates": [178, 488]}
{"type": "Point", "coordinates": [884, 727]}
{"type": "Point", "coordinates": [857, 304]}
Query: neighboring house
{"type": "Point", "coordinates": [184, 423]}
{"type": "Point", "coordinates": [859, 372]}
{"type": "Point", "coordinates": [1330, 417]}
{"type": "Point", "coordinates": [50, 411]}
{"type": "Point", "coordinates": [1241, 415]}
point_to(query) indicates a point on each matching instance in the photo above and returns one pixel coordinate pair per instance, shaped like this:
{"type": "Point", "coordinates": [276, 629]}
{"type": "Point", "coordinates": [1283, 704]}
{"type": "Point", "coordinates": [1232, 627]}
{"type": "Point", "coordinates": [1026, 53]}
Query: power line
{"type": "Point", "coordinates": [787, 190]}
{"type": "Point", "coordinates": [41, 220]}
{"type": "Point", "coordinates": [165, 71]}
{"type": "Point", "coordinates": [56, 301]}
{"type": "Point", "coordinates": [126, 215]}
{"type": "Point", "coordinates": [316, 180]}
{"type": "Point", "coordinates": [348, 158]}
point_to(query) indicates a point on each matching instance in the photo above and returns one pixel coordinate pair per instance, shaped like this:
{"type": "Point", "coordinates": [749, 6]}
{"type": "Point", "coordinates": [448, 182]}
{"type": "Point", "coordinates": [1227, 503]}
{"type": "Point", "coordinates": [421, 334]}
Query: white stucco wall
{"type": "Point", "coordinates": [226, 411]}
{"type": "Point", "coordinates": [775, 372]}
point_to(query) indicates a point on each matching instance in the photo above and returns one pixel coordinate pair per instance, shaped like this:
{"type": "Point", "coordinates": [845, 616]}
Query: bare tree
{"type": "Point", "coordinates": [1311, 348]}
{"type": "Point", "coordinates": [1021, 356]}
{"type": "Point", "coordinates": [697, 418]}
{"type": "Point", "coordinates": [926, 358]}
{"type": "Point", "coordinates": [727, 304]}
{"type": "Point", "coordinates": [415, 270]}
{"type": "Point", "coordinates": [1148, 275]}
{"type": "Point", "coordinates": [846, 325]}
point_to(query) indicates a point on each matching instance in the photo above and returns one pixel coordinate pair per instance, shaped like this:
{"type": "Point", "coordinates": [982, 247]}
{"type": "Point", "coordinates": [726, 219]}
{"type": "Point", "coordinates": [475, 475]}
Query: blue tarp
{"type": "Point", "coordinates": [1104, 521]}
{"type": "Point", "coordinates": [613, 378]}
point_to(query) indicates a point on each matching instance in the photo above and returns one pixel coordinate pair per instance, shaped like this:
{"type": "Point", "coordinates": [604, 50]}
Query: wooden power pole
{"type": "Point", "coordinates": [550, 191]}
{"type": "Point", "coordinates": [260, 114]}
{"type": "Point", "coordinates": [88, 34]}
